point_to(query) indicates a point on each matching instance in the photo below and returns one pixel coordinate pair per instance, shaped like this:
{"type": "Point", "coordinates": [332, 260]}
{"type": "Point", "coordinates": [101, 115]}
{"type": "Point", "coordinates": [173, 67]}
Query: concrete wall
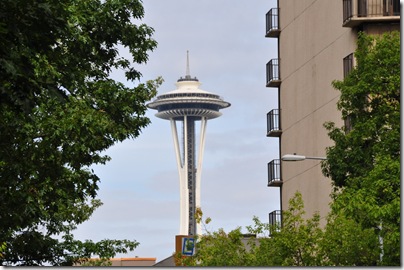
{"type": "Point", "coordinates": [133, 261]}
{"type": "Point", "coordinates": [312, 45]}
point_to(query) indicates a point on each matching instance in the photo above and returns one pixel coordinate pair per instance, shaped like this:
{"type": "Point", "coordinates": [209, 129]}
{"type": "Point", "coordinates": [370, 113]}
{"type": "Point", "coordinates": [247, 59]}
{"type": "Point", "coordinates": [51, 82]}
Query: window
{"type": "Point", "coordinates": [348, 64]}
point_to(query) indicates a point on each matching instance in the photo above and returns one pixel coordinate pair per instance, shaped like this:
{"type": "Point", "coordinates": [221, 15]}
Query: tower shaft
{"type": "Point", "coordinates": [189, 163]}
{"type": "Point", "coordinates": [189, 146]}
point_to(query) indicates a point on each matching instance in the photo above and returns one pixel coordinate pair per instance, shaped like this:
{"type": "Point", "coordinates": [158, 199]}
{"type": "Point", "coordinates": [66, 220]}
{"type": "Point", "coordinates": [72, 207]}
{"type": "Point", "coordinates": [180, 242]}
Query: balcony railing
{"type": "Point", "coordinates": [273, 77]}
{"type": "Point", "coordinates": [273, 123]}
{"type": "Point", "coordinates": [356, 12]}
{"type": "Point", "coordinates": [275, 221]}
{"type": "Point", "coordinates": [272, 23]}
{"type": "Point", "coordinates": [274, 173]}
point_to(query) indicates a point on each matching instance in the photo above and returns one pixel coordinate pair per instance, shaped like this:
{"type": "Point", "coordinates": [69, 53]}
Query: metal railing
{"type": "Point", "coordinates": [275, 221]}
{"type": "Point", "coordinates": [272, 22]}
{"type": "Point", "coordinates": [273, 78]}
{"type": "Point", "coordinates": [274, 173]}
{"type": "Point", "coordinates": [370, 8]}
{"type": "Point", "coordinates": [273, 123]}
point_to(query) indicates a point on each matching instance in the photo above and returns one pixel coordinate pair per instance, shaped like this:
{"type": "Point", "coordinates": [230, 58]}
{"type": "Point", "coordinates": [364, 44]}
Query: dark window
{"type": "Point", "coordinates": [348, 124]}
{"type": "Point", "coordinates": [362, 8]}
{"type": "Point", "coordinates": [176, 95]}
{"type": "Point", "coordinates": [348, 64]}
{"type": "Point", "coordinates": [396, 7]}
{"type": "Point", "coordinates": [347, 9]}
{"type": "Point", "coordinates": [392, 7]}
{"type": "Point", "coordinates": [174, 106]}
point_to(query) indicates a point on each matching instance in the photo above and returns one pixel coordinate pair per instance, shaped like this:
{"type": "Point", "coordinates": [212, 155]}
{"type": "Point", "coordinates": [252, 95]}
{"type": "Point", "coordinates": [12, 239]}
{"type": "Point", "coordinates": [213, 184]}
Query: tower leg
{"type": "Point", "coordinates": [183, 181]}
{"type": "Point", "coordinates": [199, 168]}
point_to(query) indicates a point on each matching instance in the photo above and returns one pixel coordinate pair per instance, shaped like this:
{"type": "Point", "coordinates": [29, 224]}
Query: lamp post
{"type": "Point", "coordinates": [294, 157]}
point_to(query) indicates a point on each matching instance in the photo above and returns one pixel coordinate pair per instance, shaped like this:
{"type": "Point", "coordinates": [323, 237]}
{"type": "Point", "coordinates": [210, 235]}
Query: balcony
{"type": "Point", "coordinates": [275, 221]}
{"type": "Point", "coordinates": [273, 78]}
{"type": "Point", "coordinates": [356, 12]}
{"type": "Point", "coordinates": [274, 173]}
{"type": "Point", "coordinates": [273, 123]}
{"type": "Point", "coordinates": [272, 23]}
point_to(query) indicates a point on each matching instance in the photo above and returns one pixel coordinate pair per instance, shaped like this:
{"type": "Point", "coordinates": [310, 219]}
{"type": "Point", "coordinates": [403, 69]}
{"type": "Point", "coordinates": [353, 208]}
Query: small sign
{"type": "Point", "coordinates": [188, 245]}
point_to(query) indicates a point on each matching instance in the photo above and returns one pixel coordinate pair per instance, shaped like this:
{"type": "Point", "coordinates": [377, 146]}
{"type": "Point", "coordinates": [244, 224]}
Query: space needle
{"type": "Point", "coordinates": [187, 105]}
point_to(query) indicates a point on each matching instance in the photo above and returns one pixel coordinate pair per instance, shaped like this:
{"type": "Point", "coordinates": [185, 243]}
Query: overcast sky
{"type": "Point", "coordinates": [139, 186]}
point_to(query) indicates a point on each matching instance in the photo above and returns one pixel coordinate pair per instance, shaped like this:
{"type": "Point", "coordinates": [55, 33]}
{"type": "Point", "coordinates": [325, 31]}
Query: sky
{"type": "Point", "coordinates": [139, 187]}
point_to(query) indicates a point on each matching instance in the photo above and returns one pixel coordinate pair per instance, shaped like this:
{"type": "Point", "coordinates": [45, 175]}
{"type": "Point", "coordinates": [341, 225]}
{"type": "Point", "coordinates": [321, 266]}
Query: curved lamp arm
{"type": "Point", "coordinates": [289, 157]}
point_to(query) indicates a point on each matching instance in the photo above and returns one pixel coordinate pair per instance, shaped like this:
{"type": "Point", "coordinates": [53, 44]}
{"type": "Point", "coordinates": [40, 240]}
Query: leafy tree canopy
{"type": "Point", "coordinates": [364, 163]}
{"type": "Point", "coordinates": [59, 110]}
{"type": "Point", "coordinates": [295, 241]}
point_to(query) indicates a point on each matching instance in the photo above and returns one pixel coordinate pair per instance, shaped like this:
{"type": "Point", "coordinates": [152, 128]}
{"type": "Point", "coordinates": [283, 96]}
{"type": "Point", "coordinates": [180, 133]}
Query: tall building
{"type": "Point", "coordinates": [316, 42]}
{"type": "Point", "coordinates": [188, 105]}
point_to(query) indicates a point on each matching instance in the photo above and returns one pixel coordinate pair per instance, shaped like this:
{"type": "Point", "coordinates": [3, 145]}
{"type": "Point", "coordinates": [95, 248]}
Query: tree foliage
{"type": "Point", "coordinates": [294, 244]}
{"type": "Point", "coordinates": [364, 163]}
{"type": "Point", "coordinates": [216, 248]}
{"type": "Point", "coordinates": [297, 241]}
{"type": "Point", "coordinates": [345, 243]}
{"type": "Point", "coordinates": [60, 109]}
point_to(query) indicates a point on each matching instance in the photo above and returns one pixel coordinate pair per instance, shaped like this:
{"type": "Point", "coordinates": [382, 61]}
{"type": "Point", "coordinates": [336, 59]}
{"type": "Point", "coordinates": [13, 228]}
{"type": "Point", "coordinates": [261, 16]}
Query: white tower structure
{"type": "Point", "coordinates": [186, 105]}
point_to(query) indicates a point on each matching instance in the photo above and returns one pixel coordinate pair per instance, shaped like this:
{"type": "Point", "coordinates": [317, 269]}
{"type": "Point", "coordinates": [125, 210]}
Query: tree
{"type": "Point", "coordinates": [364, 162]}
{"type": "Point", "coordinates": [345, 243]}
{"type": "Point", "coordinates": [295, 244]}
{"type": "Point", "coordinates": [220, 249]}
{"type": "Point", "coordinates": [59, 110]}
{"type": "Point", "coordinates": [217, 248]}
{"type": "Point", "coordinates": [295, 241]}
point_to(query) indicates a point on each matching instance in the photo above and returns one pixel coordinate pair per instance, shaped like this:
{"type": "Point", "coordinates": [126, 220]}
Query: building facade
{"type": "Point", "coordinates": [136, 261]}
{"type": "Point", "coordinates": [316, 42]}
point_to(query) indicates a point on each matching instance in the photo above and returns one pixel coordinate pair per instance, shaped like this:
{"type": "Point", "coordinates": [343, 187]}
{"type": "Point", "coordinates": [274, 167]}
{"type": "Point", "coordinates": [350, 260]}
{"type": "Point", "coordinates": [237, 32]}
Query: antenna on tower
{"type": "Point", "coordinates": [188, 75]}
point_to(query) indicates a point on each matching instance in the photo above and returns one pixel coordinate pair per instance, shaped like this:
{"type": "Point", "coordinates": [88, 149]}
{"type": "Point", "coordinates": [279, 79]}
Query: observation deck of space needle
{"type": "Point", "coordinates": [188, 104]}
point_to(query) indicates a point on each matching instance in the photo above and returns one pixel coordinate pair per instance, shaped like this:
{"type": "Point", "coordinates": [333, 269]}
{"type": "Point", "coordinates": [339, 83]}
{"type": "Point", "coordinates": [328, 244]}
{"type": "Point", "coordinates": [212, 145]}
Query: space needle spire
{"type": "Point", "coordinates": [188, 105]}
{"type": "Point", "coordinates": [187, 74]}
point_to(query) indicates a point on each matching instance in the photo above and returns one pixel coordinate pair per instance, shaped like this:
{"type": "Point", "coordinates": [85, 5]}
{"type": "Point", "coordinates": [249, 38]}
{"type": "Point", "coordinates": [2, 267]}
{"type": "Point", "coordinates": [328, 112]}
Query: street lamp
{"type": "Point", "coordinates": [289, 157]}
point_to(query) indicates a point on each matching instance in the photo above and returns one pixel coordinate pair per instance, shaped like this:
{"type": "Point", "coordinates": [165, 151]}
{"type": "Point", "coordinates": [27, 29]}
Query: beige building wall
{"type": "Point", "coordinates": [311, 46]}
{"type": "Point", "coordinates": [133, 261]}
{"type": "Point", "coordinates": [136, 261]}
